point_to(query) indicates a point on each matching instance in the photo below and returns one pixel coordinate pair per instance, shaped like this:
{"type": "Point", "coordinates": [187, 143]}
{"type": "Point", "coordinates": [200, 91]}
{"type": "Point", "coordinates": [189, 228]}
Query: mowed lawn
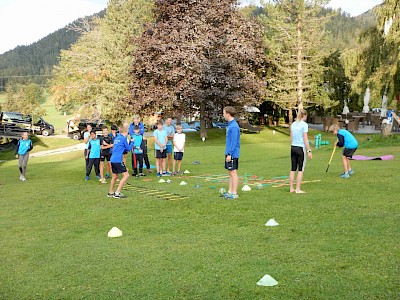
{"type": "Point", "coordinates": [338, 241]}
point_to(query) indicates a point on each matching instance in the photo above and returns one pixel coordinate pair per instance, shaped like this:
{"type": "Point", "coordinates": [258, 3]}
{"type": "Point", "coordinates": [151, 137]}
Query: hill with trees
{"type": "Point", "coordinates": [34, 63]}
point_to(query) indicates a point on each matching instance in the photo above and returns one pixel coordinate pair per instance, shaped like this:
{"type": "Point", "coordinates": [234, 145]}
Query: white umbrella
{"type": "Point", "coordinates": [384, 106]}
{"type": "Point", "coordinates": [367, 97]}
{"type": "Point", "coordinates": [251, 109]}
{"type": "Point", "coordinates": [346, 109]}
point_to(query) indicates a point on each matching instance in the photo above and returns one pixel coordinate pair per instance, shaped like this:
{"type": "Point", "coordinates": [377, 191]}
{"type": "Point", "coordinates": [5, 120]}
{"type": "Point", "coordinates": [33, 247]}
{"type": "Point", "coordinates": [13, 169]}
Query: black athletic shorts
{"type": "Point", "coordinates": [118, 168]}
{"type": "Point", "coordinates": [298, 157]}
{"type": "Point", "coordinates": [105, 156]}
{"type": "Point", "coordinates": [232, 165]}
{"type": "Point", "coordinates": [178, 155]}
{"type": "Point", "coordinates": [125, 152]}
{"type": "Point", "coordinates": [160, 154]}
{"type": "Point", "coordinates": [348, 152]}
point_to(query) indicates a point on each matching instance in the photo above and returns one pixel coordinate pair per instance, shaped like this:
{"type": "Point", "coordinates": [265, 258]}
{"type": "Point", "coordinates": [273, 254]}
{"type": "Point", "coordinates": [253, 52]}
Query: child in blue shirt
{"type": "Point", "coordinates": [170, 129]}
{"type": "Point", "coordinates": [121, 145]}
{"type": "Point", "coordinates": [350, 144]}
{"type": "Point", "coordinates": [232, 152]}
{"type": "Point", "coordinates": [22, 152]}
{"type": "Point", "coordinates": [161, 139]}
{"type": "Point", "coordinates": [93, 155]}
{"type": "Point", "coordinates": [137, 152]}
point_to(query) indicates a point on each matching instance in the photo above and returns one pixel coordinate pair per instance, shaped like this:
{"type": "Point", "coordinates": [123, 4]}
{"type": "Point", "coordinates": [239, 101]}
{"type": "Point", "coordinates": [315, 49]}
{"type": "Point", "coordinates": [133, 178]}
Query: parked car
{"type": "Point", "coordinates": [76, 130]}
{"type": "Point", "coordinates": [39, 126]}
{"type": "Point", "coordinates": [219, 125]}
{"type": "Point", "coordinates": [187, 128]}
{"type": "Point", "coordinates": [195, 125]}
{"type": "Point", "coordinates": [377, 110]}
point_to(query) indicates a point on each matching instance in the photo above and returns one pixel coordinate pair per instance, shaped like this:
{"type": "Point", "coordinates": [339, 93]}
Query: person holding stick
{"type": "Point", "coordinates": [350, 144]}
{"type": "Point", "coordinates": [299, 146]}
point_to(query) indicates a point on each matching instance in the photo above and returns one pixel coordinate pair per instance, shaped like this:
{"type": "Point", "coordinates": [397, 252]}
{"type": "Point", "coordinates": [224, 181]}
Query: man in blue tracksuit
{"type": "Point", "coordinates": [121, 145]}
{"type": "Point", "coordinates": [232, 152]}
{"type": "Point", "coordinates": [22, 152]}
{"type": "Point", "coordinates": [350, 144]}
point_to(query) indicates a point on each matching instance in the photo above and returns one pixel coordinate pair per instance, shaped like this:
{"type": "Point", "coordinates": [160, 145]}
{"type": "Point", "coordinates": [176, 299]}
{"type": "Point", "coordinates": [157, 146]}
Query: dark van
{"type": "Point", "coordinates": [40, 126]}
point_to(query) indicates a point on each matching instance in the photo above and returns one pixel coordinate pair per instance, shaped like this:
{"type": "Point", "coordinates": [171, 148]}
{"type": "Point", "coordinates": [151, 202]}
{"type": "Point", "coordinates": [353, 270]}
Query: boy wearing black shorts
{"type": "Point", "coordinates": [161, 139]}
{"type": "Point", "coordinates": [179, 147]}
{"type": "Point", "coordinates": [121, 145]}
{"type": "Point", "coordinates": [232, 152]}
{"type": "Point", "coordinates": [105, 154]}
{"type": "Point", "coordinates": [350, 144]}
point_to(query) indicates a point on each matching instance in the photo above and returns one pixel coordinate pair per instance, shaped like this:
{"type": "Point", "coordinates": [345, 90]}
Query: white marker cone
{"type": "Point", "coordinates": [186, 172]}
{"type": "Point", "coordinates": [267, 280]}
{"type": "Point", "coordinates": [246, 188]}
{"type": "Point", "coordinates": [183, 183]}
{"type": "Point", "coordinates": [271, 222]}
{"type": "Point", "coordinates": [161, 181]}
{"type": "Point", "coordinates": [114, 232]}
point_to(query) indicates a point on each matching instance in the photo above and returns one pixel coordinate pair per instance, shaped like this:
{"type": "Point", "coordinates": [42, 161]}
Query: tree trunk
{"type": "Point", "coordinates": [290, 116]}
{"type": "Point", "coordinates": [300, 57]}
{"type": "Point", "coordinates": [386, 129]}
{"type": "Point", "coordinates": [203, 130]}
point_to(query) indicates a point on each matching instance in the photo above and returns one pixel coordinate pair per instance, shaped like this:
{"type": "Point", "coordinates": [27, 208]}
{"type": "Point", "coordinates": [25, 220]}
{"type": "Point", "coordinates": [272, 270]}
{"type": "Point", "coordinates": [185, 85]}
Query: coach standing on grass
{"type": "Point", "coordinates": [232, 152]}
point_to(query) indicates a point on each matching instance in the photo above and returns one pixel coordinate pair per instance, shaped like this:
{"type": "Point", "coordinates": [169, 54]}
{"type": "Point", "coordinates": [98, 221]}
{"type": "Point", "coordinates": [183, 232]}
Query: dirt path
{"type": "Point", "coordinates": [62, 150]}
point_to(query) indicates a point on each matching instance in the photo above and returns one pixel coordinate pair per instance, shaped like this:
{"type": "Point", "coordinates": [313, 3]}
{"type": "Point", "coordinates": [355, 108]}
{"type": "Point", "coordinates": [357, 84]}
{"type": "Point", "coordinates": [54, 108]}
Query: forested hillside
{"type": "Point", "coordinates": [344, 31]}
{"type": "Point", "coordinates": [40, 57]}
{"type": "Point", "coordinates": [37, 58]}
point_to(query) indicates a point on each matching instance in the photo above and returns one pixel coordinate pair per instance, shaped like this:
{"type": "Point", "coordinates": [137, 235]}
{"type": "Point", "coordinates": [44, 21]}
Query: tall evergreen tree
{"type": "Point", "coordinates": [198, 55]}
{"type": "Point", "coordinates": [294, 34]}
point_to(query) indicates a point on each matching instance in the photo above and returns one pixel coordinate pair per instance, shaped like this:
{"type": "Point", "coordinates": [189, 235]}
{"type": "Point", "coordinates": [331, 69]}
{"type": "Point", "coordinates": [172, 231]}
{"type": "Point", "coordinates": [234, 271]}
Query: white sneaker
{"type": "Point", "coordinates": [103, 180]}
{"type": "Point", "coordinates": [20, 177]}
{"type": "Point", "coordinates": [23, 178]}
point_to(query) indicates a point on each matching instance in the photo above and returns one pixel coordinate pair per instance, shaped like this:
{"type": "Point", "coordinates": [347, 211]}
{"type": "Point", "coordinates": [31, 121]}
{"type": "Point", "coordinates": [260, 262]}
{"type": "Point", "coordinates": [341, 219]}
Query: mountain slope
{"type": "Point", "coordinates": [37, 58]}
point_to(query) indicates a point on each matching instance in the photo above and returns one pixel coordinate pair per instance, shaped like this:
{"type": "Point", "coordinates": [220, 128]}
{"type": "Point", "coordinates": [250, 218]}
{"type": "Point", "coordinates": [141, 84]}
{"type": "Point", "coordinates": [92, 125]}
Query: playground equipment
{"type": "Point", "coordinates": [318, 142]}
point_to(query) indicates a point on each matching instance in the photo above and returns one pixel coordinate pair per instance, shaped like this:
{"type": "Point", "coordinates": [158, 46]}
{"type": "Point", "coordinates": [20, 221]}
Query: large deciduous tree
{"type": "Point", "coordinates": [197, 54]}
{"type": "Point", "coordinates": [25, 99]}
{"type": "Point", "coordinates": [95, 71]}
{"type": "Point", "coordinates": [385, 40]}
{"type": "Point", "coordinates": [294, 31]}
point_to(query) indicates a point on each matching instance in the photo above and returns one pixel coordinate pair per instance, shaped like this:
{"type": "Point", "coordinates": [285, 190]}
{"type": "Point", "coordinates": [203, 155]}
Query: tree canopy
{"type": "Point", "coordinates": [196, 55]}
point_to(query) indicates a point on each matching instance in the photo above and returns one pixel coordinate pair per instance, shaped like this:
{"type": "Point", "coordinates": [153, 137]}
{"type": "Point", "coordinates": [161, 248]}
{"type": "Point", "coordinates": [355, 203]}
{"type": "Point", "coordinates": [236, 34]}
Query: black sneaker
{"type": "Point", "coordinates": [110, 195]}
{"type": "Point", "coordinates": [142, 174]}
{"type": "Point", "coordinates": [119, 196]}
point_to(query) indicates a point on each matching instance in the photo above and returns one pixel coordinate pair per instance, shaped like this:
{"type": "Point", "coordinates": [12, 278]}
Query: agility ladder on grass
{"type": "Point", "coordinates": [154, 193]}
{"type": "Point", "coordinates": [250, 179]}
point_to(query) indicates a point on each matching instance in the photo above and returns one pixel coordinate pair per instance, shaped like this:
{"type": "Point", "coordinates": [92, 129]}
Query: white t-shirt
{"type": "Point", "coordinates": [179, 140]}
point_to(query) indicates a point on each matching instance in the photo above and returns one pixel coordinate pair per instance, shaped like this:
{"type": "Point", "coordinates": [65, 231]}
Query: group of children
{"type": "Point", "coordinates": [114, 148]}
{"type": "Point", "coordinates": [166, 142]}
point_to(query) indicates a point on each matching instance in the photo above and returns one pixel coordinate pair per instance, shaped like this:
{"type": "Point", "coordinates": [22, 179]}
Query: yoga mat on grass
{"type": "Point", "coordinates": [362, 157]}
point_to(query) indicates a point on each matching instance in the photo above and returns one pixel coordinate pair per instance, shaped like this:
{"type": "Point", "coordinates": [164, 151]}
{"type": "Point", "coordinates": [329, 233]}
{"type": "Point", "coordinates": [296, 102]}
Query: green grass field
{"type": "Point", "coordinates": [338, 241]}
